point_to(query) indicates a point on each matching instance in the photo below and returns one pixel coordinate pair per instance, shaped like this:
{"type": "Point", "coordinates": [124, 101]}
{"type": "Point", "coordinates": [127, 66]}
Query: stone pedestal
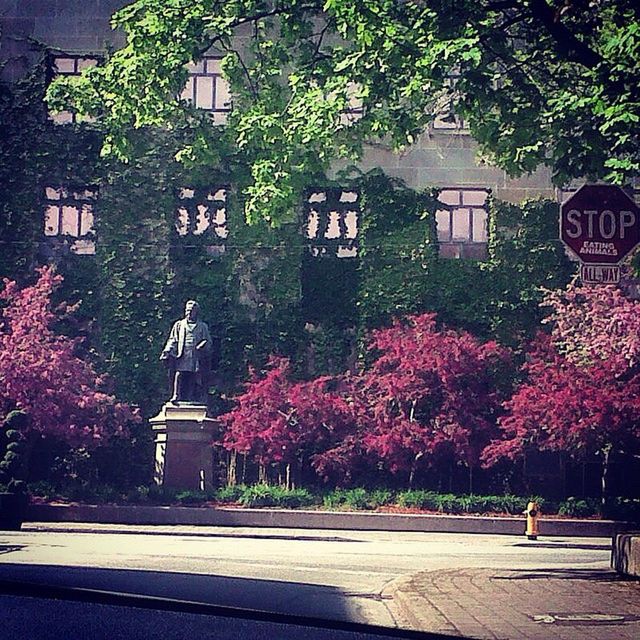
{"type": "Point", "coordinates": [183, 435]}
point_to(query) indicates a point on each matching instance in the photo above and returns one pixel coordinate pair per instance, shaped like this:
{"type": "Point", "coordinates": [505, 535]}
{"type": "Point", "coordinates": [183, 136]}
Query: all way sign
{"type": "Point", "coordinates": [600, 273]}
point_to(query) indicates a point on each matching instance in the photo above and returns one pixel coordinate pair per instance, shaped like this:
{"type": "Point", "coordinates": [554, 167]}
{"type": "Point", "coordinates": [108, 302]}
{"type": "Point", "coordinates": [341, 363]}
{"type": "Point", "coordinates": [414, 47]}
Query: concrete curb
{"type": "Point", "coordinates": [411, 610]}
{"type": "Point", "coordinates": [300, 519]}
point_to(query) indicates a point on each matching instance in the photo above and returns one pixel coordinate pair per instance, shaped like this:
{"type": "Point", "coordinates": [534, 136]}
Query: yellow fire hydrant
{"type": "Point", "coordinates": [532, 513]}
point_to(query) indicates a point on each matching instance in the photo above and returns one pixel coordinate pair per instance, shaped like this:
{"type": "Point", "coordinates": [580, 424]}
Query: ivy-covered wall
{"type": "Point", "coordinates": [399, 250]}
{"type": "Point", "coordinates": [401, 271]}
{"type": "Point", "coordinates": [143, 271]}
{"type": "Point", "coordinates": [259, 288]}
{"type": "Point", "coordinates": [135, 277]}
{"type": "Point", "coordinates": [525, 256]}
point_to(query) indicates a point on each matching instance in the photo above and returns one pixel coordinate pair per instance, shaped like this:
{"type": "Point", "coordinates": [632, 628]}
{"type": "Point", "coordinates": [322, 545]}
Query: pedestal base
{"type": "Point", "coordinates": [183, 435]}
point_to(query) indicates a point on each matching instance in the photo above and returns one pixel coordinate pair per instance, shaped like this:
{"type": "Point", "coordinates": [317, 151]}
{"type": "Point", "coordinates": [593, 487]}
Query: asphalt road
{"type": "Point", "coordinates": [338, 575]}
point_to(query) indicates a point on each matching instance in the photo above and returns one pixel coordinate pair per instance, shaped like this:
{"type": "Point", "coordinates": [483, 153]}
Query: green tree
{"type": "Point", "coordinates": [551, 82]}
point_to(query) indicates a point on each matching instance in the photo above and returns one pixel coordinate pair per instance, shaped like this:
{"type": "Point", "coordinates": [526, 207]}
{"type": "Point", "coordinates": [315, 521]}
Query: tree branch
{"type": "Point", "coordinates": [566, 43]}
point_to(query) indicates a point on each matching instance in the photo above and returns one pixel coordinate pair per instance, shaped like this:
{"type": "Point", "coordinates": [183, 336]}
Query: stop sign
{"type": "Point", "coordinates": [600, 224]}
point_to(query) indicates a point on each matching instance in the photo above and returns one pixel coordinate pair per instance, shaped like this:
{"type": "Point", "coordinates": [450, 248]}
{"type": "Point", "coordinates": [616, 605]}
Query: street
{"type": "Point", "coordinates": [342, 575]}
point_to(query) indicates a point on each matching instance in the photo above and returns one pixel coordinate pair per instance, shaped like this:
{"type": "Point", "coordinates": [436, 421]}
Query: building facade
{"type": "Point", "coordinates": [133, 238]}
{"type": "Point", "coordinates": [77, 32]}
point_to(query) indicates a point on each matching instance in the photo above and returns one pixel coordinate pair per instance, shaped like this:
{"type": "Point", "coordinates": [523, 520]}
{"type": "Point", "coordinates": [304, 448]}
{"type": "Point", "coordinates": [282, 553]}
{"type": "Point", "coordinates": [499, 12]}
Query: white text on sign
{"type": "Point", "coordinates": [608, 224]}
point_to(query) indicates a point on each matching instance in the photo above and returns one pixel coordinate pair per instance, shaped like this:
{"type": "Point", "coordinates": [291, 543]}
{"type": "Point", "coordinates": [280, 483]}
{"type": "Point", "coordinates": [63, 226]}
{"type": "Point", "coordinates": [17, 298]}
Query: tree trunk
{"type": "Point", "coordinates": [262, 474]}
{"type": "Point", "coordinates": [232, 469]}
{"type": "Point", "coordinates": [414, 465]}
{"type": "Point", "coordinates": [606, 457]}
{"type": "Point", "coordinates": [243, 475]}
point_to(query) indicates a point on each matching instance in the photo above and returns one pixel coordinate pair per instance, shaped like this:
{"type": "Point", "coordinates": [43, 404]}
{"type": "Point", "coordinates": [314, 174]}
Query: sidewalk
{"type": "Point", "coordinates": [494, 604]}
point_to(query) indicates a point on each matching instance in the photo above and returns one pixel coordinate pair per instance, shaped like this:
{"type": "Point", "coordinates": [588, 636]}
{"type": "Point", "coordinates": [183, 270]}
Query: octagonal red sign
{"type": "Point", "coordinates": [600, 223]}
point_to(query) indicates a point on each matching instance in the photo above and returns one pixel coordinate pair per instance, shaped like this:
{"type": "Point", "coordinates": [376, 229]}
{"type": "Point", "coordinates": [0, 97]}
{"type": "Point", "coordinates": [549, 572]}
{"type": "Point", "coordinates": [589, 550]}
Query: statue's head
{"type": "Point", "coordinates": [191, 310]}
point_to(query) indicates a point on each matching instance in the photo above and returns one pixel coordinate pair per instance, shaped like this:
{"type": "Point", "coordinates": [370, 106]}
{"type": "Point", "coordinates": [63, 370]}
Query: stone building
{"type": "Point", "coordinates": [77, 32]}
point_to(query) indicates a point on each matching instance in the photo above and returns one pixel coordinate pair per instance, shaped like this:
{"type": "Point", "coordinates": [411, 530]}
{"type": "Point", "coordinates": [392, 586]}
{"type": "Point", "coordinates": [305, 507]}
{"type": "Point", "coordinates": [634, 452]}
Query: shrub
{"type": "Point", "coordinates": [162, 495]}
{"type": "Point", "coordinates": [380, 498]}
{"type": "Point", "coordinates": [262, 495]}
{"type": "Point", "coordinates": [229, 495]}
{"type": "Point", "coordinates": [139, 495]}
{"type": "Point", "coordinates": [513, 505]}
{"type": "Point", "coordinates": [430, 390]}
{"type": "Point", "coordinates": [578, 508]}
{"type": "Point", "coordinates": [623, 509]}
{"type": "Point", "coordinates": [350, 498]}
{"type": "Point", "coordinates": [191, 497]}
{"type": "Point", "coordinates": [417, 499]}
{"type": "Point", "coordinates": [358, 498]}
{"type": "Point", "coordinates": [333, 499]}
{"type": "Point", "coordinates": [13, 463]}
{"type": "Point", "coordinates": [41, 372]}
{"type": "Point", "coordinates": [447, 503]}
{"type": "Point", "coordinates": [43, 489]}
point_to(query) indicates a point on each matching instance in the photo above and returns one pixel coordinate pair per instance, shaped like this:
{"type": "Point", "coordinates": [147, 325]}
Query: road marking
{"type": "Point", "coordinates": [577, 618]}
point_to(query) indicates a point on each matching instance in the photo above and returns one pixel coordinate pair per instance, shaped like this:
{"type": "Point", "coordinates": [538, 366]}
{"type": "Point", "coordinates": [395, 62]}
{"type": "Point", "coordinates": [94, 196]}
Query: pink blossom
{"type": "Point", "coordinates": [41, 373]}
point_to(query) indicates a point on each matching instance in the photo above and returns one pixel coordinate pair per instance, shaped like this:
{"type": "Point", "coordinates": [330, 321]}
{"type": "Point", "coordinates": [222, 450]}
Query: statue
{"type": "Point", "coordinates": [187, 351]}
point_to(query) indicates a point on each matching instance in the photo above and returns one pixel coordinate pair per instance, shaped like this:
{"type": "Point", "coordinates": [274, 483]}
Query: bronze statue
{"type": "Point", "coordinates": [187, 351]}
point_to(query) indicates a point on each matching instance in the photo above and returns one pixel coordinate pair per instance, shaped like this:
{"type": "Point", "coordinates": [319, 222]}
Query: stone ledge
{"type": "Point", "coordinates": [305, 519]}
{"type": "Point", "coordinates": [625, 554]}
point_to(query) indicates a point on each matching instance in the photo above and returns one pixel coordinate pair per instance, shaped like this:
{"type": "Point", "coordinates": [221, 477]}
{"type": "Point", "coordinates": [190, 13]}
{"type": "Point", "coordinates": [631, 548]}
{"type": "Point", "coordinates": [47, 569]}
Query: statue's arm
{"type": "Point", "coordinates": [171, 347]}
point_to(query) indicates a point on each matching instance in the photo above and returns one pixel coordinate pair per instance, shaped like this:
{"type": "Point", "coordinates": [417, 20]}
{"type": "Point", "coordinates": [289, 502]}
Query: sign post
{"type": "Point", "coordinates": [601, 225]}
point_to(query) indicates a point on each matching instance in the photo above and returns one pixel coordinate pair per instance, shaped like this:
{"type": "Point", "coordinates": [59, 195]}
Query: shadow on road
{"type": "Point", "coordinates": [52, 602]}
{"type": "Point", "coordinates": [10, 548]}
{"type": "Point", "coordinates": [159, 531]}
{"type": "Point", "coordinates": [264, 595]}
{"type": "Point", "coordinates": [564, 545]}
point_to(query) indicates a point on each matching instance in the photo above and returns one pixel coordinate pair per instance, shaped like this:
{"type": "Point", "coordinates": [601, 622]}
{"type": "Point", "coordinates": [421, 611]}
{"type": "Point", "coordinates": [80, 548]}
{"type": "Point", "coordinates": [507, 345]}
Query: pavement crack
{"type": "Point", "coordinates": [378, 597]}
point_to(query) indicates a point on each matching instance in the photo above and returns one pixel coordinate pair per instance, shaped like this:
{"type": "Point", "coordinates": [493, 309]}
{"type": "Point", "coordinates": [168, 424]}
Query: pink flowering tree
{"type": "Point", "coordinates": [581, 392]}
{"type": "Point", "coordinates": [430, 395]}
{"type": "Point", "coordinates": [42, 375]}
{"type": "Point", "coordinates": [283, 423]}
{"type": "Point", "coordinates": [593, 324]}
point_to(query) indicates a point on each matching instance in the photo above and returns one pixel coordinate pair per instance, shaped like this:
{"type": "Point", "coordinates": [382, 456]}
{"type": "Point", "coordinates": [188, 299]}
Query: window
{"type": "Point", "coordinates": [207, 89]}
{"type": "Point", "coordinates": [203, 213]}
{"type": "Point", "coordinates": [69, 216]}
{"type": "Point", "coordinates": [70, 66]}
{"type": "Point", "coordinates": [449, 121]}
{"type": "Point", "coordinates": [464, 219]}
{"type": "Point", "coordinates": [331, 219]}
